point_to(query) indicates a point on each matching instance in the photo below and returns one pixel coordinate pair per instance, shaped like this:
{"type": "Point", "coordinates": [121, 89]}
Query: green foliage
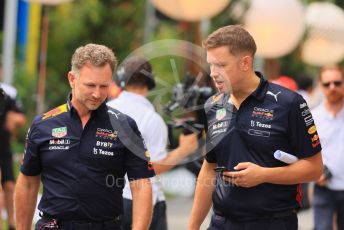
{"type": "Point", "coordinates": [227, 17]}
{"type": "Point", "coordinates": [117, 24]}
{"type": "Point", "coordinates": [26, 87]}
{"type": "Point", "coordinates": [340, 3]}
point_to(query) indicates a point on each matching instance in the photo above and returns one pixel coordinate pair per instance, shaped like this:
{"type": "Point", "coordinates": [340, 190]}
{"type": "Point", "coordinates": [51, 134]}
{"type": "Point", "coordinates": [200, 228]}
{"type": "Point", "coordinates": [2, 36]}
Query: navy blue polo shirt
{"type": "Point", "coordinates": [82, 169]}
{"type": "Point", "coordinates": [271, 118]}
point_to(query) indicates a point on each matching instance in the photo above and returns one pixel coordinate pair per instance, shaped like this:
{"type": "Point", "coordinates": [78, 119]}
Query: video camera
{"type": "Point", "coordinates": [189, 98]}
{"type": "Point", "coordinates": [187, 101]}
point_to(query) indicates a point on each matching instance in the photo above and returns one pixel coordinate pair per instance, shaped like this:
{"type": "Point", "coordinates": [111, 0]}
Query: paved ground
{"type": "Point", "coordinates": [178, 210]}
{"type": "Point", "coordinates": [180, 183]}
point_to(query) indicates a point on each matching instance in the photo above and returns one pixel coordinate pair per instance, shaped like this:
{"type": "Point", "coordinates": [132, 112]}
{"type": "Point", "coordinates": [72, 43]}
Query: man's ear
{"type": "Point", "coordinates": [71, 79]}
{"type": "Point", "coordinates": [246, 62]}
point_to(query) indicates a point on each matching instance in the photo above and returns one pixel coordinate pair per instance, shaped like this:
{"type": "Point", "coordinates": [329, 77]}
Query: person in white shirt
{"type": "Point", "coordinates": [135, 76]}
{"type": "Point", "coordinates": [329, 119]}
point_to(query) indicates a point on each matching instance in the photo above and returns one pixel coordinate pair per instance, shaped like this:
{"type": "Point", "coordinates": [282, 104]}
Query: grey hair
{"type": "Point", "coordinates": [97, 55]}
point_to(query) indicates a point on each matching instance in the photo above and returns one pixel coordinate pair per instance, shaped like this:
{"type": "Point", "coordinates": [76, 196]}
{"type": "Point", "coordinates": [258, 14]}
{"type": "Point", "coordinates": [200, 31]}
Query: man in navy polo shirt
{"type": "Point", "coordinates": [249, 119]}
{"type": "Point", "coordinates": [81, 151]}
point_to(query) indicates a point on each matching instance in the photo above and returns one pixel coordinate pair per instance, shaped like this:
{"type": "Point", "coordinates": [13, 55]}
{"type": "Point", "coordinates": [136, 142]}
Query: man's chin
{"type": "Point", "coordinates": [335, 100]}
{"type": "Point", "coordinates": [92, 107]}
{"type": "Point", "coordinates": [334, 97]}
{"type": "Point", "coordinates": [224, 90]}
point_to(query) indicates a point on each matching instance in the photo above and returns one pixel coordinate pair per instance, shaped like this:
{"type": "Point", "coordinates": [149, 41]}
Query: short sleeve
{"type": "Point", "coordinates": [31, 164]}
{"type": "Point", "coordinates": [137, 160]}
{"type": "Point", "coordinates": [303, 134]}
{"type": "Point", "coordinates": [210, 155]}
{"type": "Point", "coordinates": [155, 136]}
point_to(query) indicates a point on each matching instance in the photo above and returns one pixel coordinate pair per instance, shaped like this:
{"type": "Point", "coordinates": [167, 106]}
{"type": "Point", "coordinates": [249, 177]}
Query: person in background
{"type": "Point", "coordinates": [328, 198]}
{"type": "Point", "coordinates": [286, 82]}
{"type": "Point", "coordinates": [249, 119]}
{"type": "Point", "coordinates": [114, 90]}
{"type": "Point", "coordinates": [81, 151]}
{"type": "Point", "coordinates": [135, 75]}
{"type": "Point", "coordinates": [309, 90]}
{"type": "Point", "coordinates": [11, 120]}
{"type": "Point", "coordinates": [305, 85]}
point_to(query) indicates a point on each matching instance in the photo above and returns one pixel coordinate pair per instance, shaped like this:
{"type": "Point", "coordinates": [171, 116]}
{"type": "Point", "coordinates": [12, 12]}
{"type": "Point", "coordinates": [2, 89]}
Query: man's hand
{"type": "Point", "coordinates": [14, 120]}
{"type": "Point", "coordinates": [322, 180]}
{"type": "Point", "coordinates": [247, 175]}
{"type": "Point", "coordinates": [187, 145]}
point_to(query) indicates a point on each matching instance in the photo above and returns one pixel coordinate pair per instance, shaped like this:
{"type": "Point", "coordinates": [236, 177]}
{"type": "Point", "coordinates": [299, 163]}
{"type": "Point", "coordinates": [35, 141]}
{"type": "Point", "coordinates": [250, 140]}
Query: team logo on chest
{"type": "Point", "coordinates": [220, 114]}
{"type": "Point", "coordinates": [267, 114]}
{"type": "Point", "coordinates": [106, 134]}
{"type": "Point", "coordinates": [59, 132]}
{"type": "Point", "coordinates": [59, 144]}
{"type": "Point", "coordinates": [274, 95]}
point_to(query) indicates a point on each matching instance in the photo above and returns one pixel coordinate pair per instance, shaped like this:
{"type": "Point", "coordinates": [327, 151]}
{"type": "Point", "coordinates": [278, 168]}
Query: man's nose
{"type": "Point", "coordinates": [96, 93]}
{"type": "Point", "coordinates": [214, 72]}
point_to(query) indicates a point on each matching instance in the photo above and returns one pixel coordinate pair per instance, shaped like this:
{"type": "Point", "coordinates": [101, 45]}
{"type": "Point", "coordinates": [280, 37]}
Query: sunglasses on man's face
{"type": "Point", "coordinates": [335, 83]}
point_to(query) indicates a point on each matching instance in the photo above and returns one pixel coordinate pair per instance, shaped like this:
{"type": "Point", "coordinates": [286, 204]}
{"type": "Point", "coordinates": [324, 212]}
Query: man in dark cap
{"type": "Point", "coordinates": [135, 75]}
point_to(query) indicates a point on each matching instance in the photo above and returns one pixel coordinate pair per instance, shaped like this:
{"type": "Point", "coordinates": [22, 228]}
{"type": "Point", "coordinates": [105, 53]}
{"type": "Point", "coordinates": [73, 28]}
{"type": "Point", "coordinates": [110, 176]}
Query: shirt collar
{"type": "Point", "coordinates": [262, 88]}
{"type": "Point", "coordinates": [101, 111]}
{"type": "Point", "coordinates": [69, 102]}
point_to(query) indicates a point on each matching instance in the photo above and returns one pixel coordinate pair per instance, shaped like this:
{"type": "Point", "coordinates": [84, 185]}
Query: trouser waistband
{"type": "Point", "coordinates": [274, 215]}
{"type": "Point", "coordinates": [56, 223]}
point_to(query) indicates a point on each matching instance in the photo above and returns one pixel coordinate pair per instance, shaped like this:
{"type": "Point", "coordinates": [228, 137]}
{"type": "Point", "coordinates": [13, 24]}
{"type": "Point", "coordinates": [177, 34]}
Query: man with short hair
{"type": "Point", "coordinates": [81, 151]}
{"type": "Point", "coordinates": [328, 198]}
{"type": "Point", "coordinates": [135, 75]}
{"type": "Point", "coordinates": [248, 120]}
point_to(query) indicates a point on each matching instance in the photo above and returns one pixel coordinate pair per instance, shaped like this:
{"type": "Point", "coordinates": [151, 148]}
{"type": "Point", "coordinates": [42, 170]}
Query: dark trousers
{"type": "Point", "coordinates": [280, 223]}
{"type": "Point", "coordinates": [326, 203]}
{"type": "Point", "coordinates": [159, 220]}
